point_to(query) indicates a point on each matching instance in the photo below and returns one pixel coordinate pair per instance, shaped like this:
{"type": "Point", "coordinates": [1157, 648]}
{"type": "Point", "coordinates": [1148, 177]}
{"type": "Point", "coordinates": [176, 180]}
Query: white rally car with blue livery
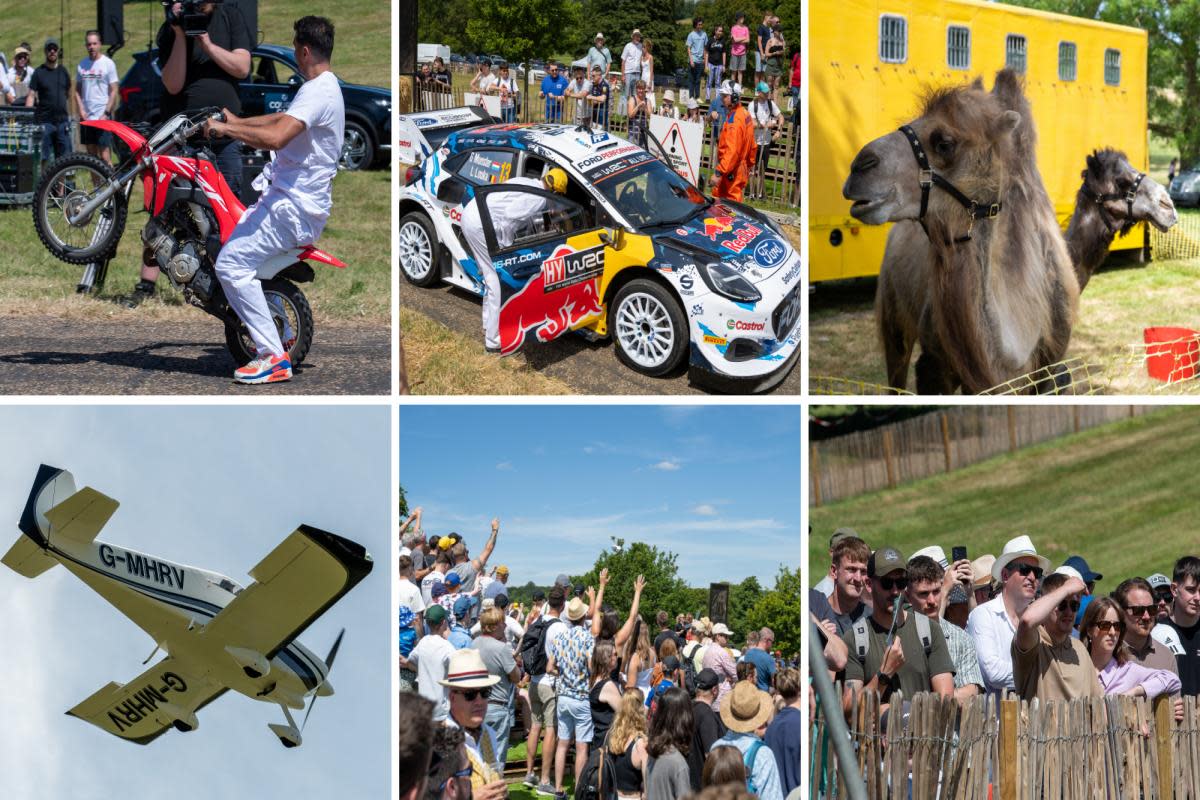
{"type": "Point", "coordinates": [632, 251]}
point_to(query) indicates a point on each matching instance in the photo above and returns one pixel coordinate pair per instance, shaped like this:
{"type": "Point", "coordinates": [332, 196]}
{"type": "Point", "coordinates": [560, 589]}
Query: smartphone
{"type": "Point", "coordinates": [958, 553]}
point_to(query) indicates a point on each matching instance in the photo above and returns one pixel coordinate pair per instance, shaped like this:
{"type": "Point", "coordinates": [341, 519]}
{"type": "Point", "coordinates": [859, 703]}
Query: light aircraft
{"type": "Point", "coordinates": [217, 635]}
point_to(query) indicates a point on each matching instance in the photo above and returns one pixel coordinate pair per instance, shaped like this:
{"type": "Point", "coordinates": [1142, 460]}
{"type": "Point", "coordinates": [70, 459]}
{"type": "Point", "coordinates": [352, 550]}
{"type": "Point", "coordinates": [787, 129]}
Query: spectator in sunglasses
{"type": "Point", "coordinates": [883, 657]}
{"type": "Point", "coordinates": [469, 686]}
{"type": "Point", "coordinates": [449, 770]}
{"type": "Point", "coordinates": [1181, 631]}
{"type": "Point", "coordinates": [1103, 633]}
{"type": "Point", "coordinates": [993, 624]}
{"type": "Point", "coordinates": [1164, 598]}
{"type": "Point", "coordinates": [1136, 601]}
{"type": "Point", "coordinates": [1049, 663]}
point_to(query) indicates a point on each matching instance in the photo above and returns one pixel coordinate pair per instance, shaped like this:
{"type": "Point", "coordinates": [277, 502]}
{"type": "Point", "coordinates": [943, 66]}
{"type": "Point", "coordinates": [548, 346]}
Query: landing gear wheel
{"type": "Point", "coordinates": [293, 319]}
{"type": "Point", "coordinates": [419, 250]}
{"type": "Point", "coordinates": [65, 186]}
{"type": "Point", "coordinates": [358, 152]}
{"type": "Point", "coordinates": [648, 327]}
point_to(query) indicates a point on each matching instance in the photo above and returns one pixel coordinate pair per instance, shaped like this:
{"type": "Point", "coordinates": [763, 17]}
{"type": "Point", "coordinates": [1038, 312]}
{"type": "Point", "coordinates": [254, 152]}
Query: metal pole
{"type": "Point", "coordinates": [847, 763]}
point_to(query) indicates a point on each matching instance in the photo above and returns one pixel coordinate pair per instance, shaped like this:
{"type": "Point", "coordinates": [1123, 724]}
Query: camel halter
{"type": "Point", "coordinates": [929, 178]}
{"type": "Point", "coordinates": [1128, 197]}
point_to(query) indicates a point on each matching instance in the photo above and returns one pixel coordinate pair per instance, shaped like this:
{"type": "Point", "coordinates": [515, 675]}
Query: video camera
{"type": "Point", "coordinates": [190, 18]}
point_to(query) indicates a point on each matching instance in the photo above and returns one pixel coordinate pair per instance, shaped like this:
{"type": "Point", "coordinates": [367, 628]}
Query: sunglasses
{"type": "Point", "coordinates": [470, 695]}
{"type": "Point", "coordinates": [1141, 611]}
{"type": "Point", "coordinates": [893, 583]}
{"type": "Point", "coordinates": [1027, 569]}
{"type": "Point", "coordinates": [1104, 626]}
{"type": "Point", "coordinates": [1164, 598]}
{"type": "Point", "coordinates": [1069, 605]}
{"type": "Point", "coordinates": [465, 772]}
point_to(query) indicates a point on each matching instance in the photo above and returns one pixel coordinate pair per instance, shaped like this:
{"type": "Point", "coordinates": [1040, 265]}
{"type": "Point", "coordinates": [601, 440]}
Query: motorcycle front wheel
{"type": "Point", "coordinates": [65, 186]}
{"type": "Point", "coordinates": [293, 320]}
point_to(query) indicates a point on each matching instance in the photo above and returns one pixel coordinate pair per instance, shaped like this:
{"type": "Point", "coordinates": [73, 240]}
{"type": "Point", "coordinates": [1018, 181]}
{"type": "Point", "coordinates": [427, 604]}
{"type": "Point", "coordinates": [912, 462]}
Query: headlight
{"type": "Point", "coordinates": [724, 280]}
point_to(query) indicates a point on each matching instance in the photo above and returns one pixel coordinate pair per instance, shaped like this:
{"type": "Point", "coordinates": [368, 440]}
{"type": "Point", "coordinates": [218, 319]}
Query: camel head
{"type": "Point", "coordinates": [1125, 195]}
{"type": "Point", "coordinates": [967, 136]}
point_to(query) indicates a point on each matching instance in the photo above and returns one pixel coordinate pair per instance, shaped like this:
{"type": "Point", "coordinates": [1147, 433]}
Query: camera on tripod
{"type": "Point", "coordinates": [193, 21]}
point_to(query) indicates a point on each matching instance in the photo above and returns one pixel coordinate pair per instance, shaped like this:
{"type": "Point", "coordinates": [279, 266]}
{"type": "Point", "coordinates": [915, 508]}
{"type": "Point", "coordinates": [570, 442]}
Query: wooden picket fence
{"type": "Point", "coordinates": [1109, 747]}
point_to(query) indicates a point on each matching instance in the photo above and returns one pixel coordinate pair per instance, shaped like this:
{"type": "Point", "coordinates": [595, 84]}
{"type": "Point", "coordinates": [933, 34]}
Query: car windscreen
{"type": "Point", "coordinates": [646, 191]}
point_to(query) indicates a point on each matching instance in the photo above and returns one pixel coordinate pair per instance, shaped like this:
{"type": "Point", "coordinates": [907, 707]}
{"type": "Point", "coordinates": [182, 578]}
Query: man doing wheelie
{"type": "Point", "coordinates": [306, 141]}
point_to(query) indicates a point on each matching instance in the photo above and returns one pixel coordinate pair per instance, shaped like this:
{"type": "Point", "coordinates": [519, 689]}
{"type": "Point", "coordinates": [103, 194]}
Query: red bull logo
{"type": "Point", "coordinates": [549, 309]}
{"type": "Point", "coordinates": [743, 237]}
{"type": "Point", "coordinates": [715, 226]}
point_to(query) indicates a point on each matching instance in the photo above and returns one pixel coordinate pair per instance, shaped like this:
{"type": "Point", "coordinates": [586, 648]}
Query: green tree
{"type": "Point", "coordinates": [742, 598]}
{"type": "Point", "coordinates": [779, 610]}
{"type": "Point", "coordinates": [444, 22]}
{"type": "Point", "coordinates": [403, 505]}
{"type": "Point", "coordinates": [664, 588]}
{"type": "Point", "coordinates": [1173, 91]}
{"type": "Point", "coordinates": [656, 19]}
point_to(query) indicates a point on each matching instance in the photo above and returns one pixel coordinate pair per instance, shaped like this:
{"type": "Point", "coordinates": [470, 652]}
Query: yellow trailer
{"type": "Point", "coordinates": [873, 59]}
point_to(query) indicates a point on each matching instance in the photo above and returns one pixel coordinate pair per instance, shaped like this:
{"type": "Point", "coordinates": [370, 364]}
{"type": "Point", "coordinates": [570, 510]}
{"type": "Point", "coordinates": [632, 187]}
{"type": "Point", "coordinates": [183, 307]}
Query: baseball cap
{"type": "Point", "coordinates": [1069, 571]}
{"type": "Point", "coordinates": [670, 663]}
{"type": "Point", "coordinates": [462, 606]}
{"type": "Point", "coordinates": [706, 679]}
{"type": "Point", "coordinates": [52, 42]}
{"type": "Point", "coordinates": [501, 570]}
{"type": "Point", "coordinates": [885, 560]}
{"type": "Point", "coordinates": [1159, 581]}
{"type": "Point", "coordinates": [539, 596]}
{"type": "Point", "coordinates": [437, 590]}
{"type": "Point", "coordinates": [562, 580]}
{"type": "Point", "coordinates": [762, 87]}
{"type": "Point", "coordinates": [1081, 566]}
{"type": "Point", "coordinates": [452, 579]}
{"type": "Point", "coordinates": [933, 551]}
{"type": "Point", "coordinates": [842, 533]}
{"type": "Point", "coordinates": [435, 615]}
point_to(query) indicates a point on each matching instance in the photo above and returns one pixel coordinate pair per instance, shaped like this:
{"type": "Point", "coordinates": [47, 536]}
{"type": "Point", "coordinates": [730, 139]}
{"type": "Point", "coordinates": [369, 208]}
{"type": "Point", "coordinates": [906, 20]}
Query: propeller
{"type": "Point", "coordinates": [329, 667]}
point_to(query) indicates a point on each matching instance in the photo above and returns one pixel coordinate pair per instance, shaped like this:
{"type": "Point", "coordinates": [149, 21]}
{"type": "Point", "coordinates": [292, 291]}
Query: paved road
{"type": "Point", "coordinates": [51, 355]}
{"type": "Point", "coordinates": [589, 368]}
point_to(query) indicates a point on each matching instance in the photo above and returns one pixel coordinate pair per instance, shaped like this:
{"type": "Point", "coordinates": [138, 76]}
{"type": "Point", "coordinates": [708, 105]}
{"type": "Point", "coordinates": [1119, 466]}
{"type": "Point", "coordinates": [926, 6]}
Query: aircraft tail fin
{"type": "Point", "coordinates": [27, 556]}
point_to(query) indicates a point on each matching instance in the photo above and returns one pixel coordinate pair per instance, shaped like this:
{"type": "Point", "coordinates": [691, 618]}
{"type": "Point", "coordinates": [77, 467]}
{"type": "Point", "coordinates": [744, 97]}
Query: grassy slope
{"type": "Point", "coordinates": [1121, 495]}
{"type": "Point", "coordinates": [30, 278]}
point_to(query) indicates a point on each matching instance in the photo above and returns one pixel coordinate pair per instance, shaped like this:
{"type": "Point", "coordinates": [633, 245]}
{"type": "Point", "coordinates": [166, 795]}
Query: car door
{"type": "Point", "coordinates": [550, 258]}
{"type": "Point", "coordinates": [270, 87]}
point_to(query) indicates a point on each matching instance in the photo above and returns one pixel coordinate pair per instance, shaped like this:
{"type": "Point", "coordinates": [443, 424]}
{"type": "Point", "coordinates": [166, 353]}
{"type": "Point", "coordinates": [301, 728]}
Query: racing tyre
{"type": "Point", "coordinates": [66, 184]}
{"type": "Point", "coordinates": [648, 327]}
{"type": "Point", "coordinates": [293, 319]}
{"type": "Point", "coordinates": [358, 151]}
{"type": "Point", "coordinates": [419, 250]}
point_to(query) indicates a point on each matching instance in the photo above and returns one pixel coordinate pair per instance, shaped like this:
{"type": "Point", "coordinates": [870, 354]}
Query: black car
{"type": "Point", "coordinates": [273, 82]}
{"type": "Point", "coordinates": [1185, 188]}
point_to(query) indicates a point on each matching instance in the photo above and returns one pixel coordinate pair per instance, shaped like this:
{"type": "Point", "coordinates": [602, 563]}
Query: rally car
{"type": "Point", "coordinates": [632, 251]}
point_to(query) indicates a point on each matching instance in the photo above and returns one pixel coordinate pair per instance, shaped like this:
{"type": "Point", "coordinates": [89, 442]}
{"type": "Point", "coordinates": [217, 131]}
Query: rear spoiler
{"type": "Point", "coordinates": [415, 148]}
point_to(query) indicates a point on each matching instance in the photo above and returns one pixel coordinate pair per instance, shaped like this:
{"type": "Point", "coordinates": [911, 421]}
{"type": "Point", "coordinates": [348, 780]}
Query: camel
{"type": "Point", "coordinates": [1002, 290]}
{"type": "Point", "coordinates": [901, 295]}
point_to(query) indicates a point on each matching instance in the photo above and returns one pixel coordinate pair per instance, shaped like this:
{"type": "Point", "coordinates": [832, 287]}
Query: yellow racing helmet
{"type": "Point", "coordinates": [556, 179]}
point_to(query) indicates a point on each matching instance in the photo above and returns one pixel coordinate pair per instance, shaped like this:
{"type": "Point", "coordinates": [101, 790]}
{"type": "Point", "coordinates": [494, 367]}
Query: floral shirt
{"type": "Point", "coordinates": [571, 650]}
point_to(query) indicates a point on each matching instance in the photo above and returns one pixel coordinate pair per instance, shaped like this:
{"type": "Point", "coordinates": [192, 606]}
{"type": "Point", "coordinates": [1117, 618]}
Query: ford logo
{"type": "Point", "coordinates": [770, 253]}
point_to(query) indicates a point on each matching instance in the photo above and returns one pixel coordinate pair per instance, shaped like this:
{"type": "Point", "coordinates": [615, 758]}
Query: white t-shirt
{"type": "Point", "coordinates": [763, 113]}
{"type": "Point", "coordinates": [506, 100]}
{"type": "Point", "coordinates": [631, 59]}
{"type": "Point", "coordinates": [431, 657]}
{"type": "Point", "coordinates": [512, 631]}
{"type": "Point", "coordinates": [95, 78]}
{"type": "Point", "coordinates": [304, 169]}
{"type": "Point", "coordinates": [581, 105]}
{"type": "Point", "coordinates": [427, 586]}
{"type": "Point", "coordinates": [410, 596]}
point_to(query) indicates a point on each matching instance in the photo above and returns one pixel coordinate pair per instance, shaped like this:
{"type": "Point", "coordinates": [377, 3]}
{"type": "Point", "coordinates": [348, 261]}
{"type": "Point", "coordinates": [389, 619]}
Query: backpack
{"type": "Point", "coordinates": [751, 754]}
{"type": "Point", "coordinates": [598, 780]}
{"type": "Point", "coordinates": [533, 647]}
{"type": "Point", "coordinates": [689, 675]}
{"type": "Point", "coordinates": [689, 654]}
{"type": "Point", "coordinates": [862, 641]}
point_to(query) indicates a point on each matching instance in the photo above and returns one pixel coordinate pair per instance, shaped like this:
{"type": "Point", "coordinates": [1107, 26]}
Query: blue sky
{"type": "Point", "coordinates": [216, 487]}
{"type": "Point", "coordinates": [720, 486]}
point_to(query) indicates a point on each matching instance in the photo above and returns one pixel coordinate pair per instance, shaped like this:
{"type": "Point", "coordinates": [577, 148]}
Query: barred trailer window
{"type": "Point", "coordinates": [893, 39]}
{"type": "Point", "coordinates": [1066, 61]}
{"type": "Point", "coordinates": [1112, 67]}
{"type": "Point", "coordinates": [958, 47]}
{"type": "Point", "coordinates": [1014, 52]}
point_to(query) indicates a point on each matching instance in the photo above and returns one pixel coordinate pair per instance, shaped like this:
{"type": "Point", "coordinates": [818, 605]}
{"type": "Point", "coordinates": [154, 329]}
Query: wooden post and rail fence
{"type": "Point", "coordinates": [988, 749]}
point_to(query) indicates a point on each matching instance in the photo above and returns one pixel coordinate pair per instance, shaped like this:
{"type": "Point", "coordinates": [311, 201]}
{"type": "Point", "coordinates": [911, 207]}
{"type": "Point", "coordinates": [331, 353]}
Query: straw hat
{"type": "Point", "coordinates": [1017, 548]}
{"type": "Point", "coordinates": [576, 609]}
{"type": "Point", "coordinates": [933, 551]}
{"type": "Point", "coordinates": [981, 571]}
{"type": "Point", "coordinates": [746, 708]}
{"type": "Point", "coordinates": [467, 671]}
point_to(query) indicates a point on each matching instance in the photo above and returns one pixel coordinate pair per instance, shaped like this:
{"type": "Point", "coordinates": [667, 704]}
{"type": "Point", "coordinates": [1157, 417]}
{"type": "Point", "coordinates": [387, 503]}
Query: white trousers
{"type": "Point", "coordinates": [473, 232]}
{"type": "Point", "coordinates": [270, 227]}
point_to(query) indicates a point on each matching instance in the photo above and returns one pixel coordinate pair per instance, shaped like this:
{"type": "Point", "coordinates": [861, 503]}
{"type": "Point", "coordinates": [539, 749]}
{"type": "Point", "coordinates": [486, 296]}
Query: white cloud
{"type": "Point", "coordinates": [589, 449]}
{"type": "Point", "coordinates": [666, 465]}
{"type": "Point", "coordinates": [504, 465]}
{"type": "Point", "coordinates": [706, 510]}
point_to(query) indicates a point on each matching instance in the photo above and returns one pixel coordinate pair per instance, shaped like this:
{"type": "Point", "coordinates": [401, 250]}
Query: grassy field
{"type": "Point", "coordinates": [362, 46]}
{"type": "Point", "coordinates": [1120, 495]}
{"type": "Point", "coordinates": [33, 280]}
{"type": "Point", "coordinates": [1118, 303]}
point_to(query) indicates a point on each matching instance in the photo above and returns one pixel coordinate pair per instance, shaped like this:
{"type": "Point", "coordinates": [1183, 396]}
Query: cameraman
{"type": "Point", "coordinates": [202, 71]}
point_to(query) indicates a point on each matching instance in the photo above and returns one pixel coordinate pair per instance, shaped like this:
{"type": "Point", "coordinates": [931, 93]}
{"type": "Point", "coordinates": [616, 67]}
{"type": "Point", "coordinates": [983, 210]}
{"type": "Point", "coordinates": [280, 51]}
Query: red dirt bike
{"type": "Point", "coordinates": [81, 203]}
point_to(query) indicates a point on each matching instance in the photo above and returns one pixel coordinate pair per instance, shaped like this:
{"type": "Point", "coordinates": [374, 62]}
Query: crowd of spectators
{"type": "Point", "coordinates": [674, 711]}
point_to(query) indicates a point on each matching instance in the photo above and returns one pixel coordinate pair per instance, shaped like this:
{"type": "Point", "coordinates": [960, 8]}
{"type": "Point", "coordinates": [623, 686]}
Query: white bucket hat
{"type": "Point", "coordinates": [1016, 548]}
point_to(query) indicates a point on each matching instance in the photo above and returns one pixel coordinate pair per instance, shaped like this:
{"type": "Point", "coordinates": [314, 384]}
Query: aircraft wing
{"type": "Point", "coordinates": [306, 574]}
{"type": "Point", "coordinates": [168, 694]}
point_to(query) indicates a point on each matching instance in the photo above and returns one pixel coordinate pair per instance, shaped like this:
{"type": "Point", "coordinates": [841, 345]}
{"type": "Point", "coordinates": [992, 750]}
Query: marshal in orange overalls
{"type": "Point", "coordinates": [736, 154]}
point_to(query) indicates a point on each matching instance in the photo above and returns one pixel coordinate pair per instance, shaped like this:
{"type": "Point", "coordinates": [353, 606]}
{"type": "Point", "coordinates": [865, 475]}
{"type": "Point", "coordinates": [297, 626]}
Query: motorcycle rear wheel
{"type": "Point", "coordinates": [70, 181]}
{"type": "Point", "coordinates": [293, 320]}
